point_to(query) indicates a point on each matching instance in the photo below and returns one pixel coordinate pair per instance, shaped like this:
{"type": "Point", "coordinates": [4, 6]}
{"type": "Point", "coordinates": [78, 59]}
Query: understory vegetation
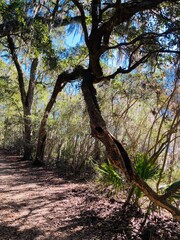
{"type": "Point", "coordinates": [138, 104]}
{"type": "Point", "coordinates": [115, 64]}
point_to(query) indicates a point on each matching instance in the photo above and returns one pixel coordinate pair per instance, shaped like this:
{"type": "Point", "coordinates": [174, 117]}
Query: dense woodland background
{"type": "Point", "coordinates": [63, 62]}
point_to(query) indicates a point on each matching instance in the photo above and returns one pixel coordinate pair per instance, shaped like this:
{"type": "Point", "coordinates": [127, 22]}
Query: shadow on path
{"type": "Point", "coordinates": [9, 232]}
{"type": "Point", "coordinates": [36, 204]}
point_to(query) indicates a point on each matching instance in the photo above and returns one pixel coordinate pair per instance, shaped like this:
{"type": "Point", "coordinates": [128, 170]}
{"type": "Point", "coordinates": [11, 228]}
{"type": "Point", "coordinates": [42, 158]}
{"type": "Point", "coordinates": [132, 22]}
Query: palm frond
{"type": "Point", "coordinates": [145, 168]}
{"type": "Point", "coordinates": [108, 176]}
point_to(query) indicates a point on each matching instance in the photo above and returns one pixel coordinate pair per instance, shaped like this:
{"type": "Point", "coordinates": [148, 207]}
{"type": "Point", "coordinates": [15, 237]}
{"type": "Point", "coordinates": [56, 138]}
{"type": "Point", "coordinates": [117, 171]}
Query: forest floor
{"type": "Point", "coordinates": [37, 204]}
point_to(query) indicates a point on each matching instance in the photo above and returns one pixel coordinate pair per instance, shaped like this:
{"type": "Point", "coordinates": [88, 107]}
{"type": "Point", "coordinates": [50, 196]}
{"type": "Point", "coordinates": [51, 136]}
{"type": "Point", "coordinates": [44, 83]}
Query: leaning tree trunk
{"type": "Point", "coordinates": [116, 153]}
{"type": "Point", "coordinates": [42, 136]}
{"type": "Point", "coordinates": [61, 81]}
{"type": "Point", "coordinates": [39, 159]}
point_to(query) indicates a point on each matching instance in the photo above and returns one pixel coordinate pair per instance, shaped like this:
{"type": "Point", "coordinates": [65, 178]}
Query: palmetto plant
{"type": "Point", "coordinates": [147, 169]}
{"type": "Point", "coordinates": [109, 177]}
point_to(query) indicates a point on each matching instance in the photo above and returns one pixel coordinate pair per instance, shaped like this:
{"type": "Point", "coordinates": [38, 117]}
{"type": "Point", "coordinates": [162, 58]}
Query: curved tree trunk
{"type": "Point", "coordinates": [42, 130]}
{"type": "Point", "coordinates": [61, 81]}
{"type": "Point", "coordinates": [116, 153]}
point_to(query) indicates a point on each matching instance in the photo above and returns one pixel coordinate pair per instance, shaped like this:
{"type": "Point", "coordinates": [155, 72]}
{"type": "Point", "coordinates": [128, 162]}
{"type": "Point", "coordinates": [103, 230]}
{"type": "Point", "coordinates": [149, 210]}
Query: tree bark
{"type": "Point", "coordinates": [26, 97]}
{"type": "Point", "coordinates": [27, 135]}
{"type": "Point", "coordinates": [27, 106]}
{"type": "Point", "coordinates": [116, 153]}
{"type": "Point", "coordinates": [61, 81]}
{"type": "Point", "coordinates": [39, 159]}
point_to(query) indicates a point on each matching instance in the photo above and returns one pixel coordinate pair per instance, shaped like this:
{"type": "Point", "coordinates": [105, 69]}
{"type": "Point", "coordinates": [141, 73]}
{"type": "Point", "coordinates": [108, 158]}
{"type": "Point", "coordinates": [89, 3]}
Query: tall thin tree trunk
{"type": "Point", "coordinates": [26, 96]}
{"type": "Point", "coordinates": [27, 135]}
{"type": "Point", "coordinates": [172, 161]}
{"type": "Point", "coordinates": [164, 115]}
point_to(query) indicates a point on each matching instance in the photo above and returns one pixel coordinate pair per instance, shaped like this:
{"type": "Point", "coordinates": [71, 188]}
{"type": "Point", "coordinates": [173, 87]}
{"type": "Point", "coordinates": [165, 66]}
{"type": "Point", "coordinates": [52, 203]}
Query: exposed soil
{"type": "Point", "coordinates": [37, 204]}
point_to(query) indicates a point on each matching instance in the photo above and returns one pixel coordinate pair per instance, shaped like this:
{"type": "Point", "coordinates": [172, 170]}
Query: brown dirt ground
{"type": "Point", "coordinates": [37, 204]}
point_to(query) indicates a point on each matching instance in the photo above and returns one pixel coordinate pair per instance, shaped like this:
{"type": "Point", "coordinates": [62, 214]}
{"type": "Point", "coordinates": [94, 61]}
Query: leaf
{"type": "Point", "coordinates": [108, 176]}
{"type": "Point", "coordinates": [145, 168]}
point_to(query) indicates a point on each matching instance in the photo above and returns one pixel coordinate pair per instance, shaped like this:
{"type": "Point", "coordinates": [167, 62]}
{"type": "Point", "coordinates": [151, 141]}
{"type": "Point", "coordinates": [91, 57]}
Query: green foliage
{"type": "Point", "coordinates": [117, 85]}
{"type": "Point", "coordinates": [132, 104]}
{"type": "Point", "coordinates": [13, 11]}
{"type": "Point", "coordinates": [42, 43]}
{"type": "Point", "coordinates": [145, 168]}
{"type": "Point", "coordinates": [108, 177]}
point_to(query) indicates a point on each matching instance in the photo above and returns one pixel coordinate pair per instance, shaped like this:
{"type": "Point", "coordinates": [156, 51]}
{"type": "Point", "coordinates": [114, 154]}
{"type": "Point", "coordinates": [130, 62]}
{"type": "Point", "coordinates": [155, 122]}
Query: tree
{"type": "Point", "coordinates": [108, 21]}
{"type": "Point", "coordinates": [26, 97]}
{"type": "Point", "coordinates": [10, 108]}
{"type": "Point", "coordinates": [137, 32]}
{"type": "Point", "coordinates": [26, 41]}
{"type": "Point", "coordinates": [140, 48]}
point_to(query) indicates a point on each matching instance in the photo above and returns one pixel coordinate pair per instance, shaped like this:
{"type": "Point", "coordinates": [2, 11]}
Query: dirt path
{"type": "Point", "coordinates": [35, 204]}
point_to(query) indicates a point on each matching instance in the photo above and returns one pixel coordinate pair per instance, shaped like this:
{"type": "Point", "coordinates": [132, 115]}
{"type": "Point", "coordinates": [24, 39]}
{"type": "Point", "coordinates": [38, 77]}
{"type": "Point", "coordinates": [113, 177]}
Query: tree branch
{"type": "Point", "coordinates": [15, 26]}
{"type": "Point", "coordinates": [18, 68]}
{"type": "Point", "coordinates": [55, 9]}
{"type": "Point", "coordinates": [95, 12]}
{"type": "Point", "coordinates": [83, 20]}
{"type": "Point", "coordinates": [145, 36]}
{"type": "Point", "coordinates": [32, 82]}
{"type": "Point", "coordinates": [170, 192]}
{"type": "Point", "coordinates": [126, 11]}
{"type": "Point", "coordinates": [128, 70]}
